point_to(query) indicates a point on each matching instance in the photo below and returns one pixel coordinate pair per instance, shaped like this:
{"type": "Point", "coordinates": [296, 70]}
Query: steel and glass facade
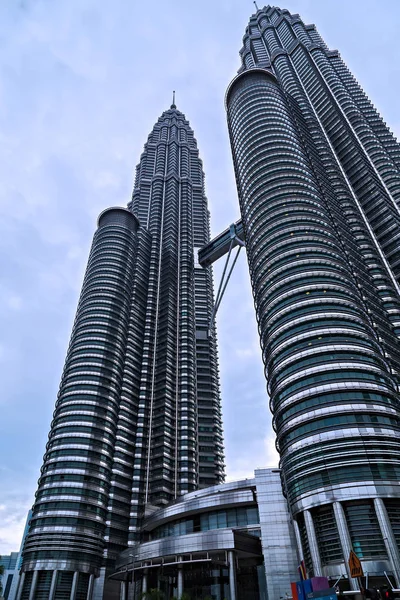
{"type": "Point", "coordinates": [10, 570]}
{"type": "Point", "coordinates": [318, 180]}
{"type": "Point", "coordinates": [137, 421]}
{"type": "Point", "coordinates": [233, 541]}
{"type": "Point", "coordinates": [179, 357]}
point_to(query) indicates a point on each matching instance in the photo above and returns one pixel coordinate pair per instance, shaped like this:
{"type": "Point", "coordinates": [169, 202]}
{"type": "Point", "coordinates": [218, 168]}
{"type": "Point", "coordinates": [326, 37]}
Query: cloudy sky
{"type": "Point", "coordinates": [81, 84]}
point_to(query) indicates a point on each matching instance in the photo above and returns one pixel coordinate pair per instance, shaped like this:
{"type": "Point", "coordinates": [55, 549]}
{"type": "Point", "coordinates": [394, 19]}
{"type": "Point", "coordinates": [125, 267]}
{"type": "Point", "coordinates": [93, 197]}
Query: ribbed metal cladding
{"type": "Point", "coordinates": [351, 138]}
{"type": "Point", "coordinates": [138, 415]}
{"type": "Point", "coordinates": [318, 177]}
{"type": "Point", "coordinates": [331, 390]}
{"type": "Point", "coordinates": [69, 517]}
{"type": "Point", "coordinates": [179, 393]}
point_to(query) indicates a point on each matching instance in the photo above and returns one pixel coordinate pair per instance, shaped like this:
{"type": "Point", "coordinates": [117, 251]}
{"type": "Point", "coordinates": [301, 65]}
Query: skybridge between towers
{"type": "Point", "coordinates": [222, 244]}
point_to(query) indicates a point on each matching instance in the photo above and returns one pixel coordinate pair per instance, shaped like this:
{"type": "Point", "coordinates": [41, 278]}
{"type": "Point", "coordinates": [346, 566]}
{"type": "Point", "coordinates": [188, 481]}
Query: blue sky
{"type": "Point", "coordinates": [81, 84]}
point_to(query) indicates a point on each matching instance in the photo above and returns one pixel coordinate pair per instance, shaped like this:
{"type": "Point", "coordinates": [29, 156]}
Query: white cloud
{"type": "Point", "coordinates": [242, 469]}
{"type": "Point", "coordinates": [12, 525]}
{"type": "Point", "coordinates": [14, 302]}
{"type": "Point", "coordinates": [253, 455]}
{"type": "Point", "coordinates": [271, 453]}
{"type": "Point", "coordinates": [245, 465]}
{"type": "Point", "coordinates": [252, 350]}
{"type": "Point", "coordinates": [245, 352]}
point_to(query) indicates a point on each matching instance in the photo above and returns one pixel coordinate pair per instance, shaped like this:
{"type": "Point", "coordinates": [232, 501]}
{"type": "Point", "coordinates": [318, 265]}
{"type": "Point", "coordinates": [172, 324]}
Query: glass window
{"type": "Point", "coordinates": [204, 523]}
{"type": "Point", "coordinates": [231, 514]}
{"type": "Point", "coordinates": [189, 526]}
{"type": "Point", "coordinates": [252, 515]}
{"type": "Point", "coordinates": [213, 520]}
{"type": "Point", "coordinates": [222, 519]}
{"type": "Point", "coordinates": [241, 516]}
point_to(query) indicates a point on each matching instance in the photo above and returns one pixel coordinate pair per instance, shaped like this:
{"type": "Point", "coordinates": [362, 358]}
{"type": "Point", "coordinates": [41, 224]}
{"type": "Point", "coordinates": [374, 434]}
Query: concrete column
{"type": "Point", "coordinates": [313, 544]}
{"type": "Point", "coordinates": [74, 585]}
{"type": "Point", "coordinates": [20, 587]}
{"type": "Point", "coordinates": [90, 588]}
{"type": "Point", "coordinates": [144, 581]}
{"type": "Point", "coordinates": [132, 589]}
{"type": "Point", "coordinates": [15, 583]}
{"type": "Point", "coordinates": [33, 585]}
{"type": "Point", "coordinates": [53, 585]}
{"type": "Point", "coordinates": [345, 541]}
{"type": "Point", "coordinates": [232, 574]}
{"type": "Point", "coordinates": [298, 540]}
{"type": "Point", "coordinates": [388, 538]}
{"type": "Point", "coordinates": [158, 579]}
{"type": "Point", "coordinates": [122, 591]}
{"type": "Point", "coordinates": [180, 579]}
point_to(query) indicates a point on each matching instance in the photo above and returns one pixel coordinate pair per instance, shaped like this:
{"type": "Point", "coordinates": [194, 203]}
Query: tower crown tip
{"type": "Point", "coordinates": [173, 105]}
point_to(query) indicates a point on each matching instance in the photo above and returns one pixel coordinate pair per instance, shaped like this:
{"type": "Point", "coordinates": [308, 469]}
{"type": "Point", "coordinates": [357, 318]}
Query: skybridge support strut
{"type": "Point", "coordinates": [231, 259]}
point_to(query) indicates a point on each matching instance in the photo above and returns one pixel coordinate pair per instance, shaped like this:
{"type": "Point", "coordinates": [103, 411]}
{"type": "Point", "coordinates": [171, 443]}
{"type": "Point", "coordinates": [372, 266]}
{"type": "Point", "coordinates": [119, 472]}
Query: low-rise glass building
{"type": "Point", "coordinates": [9, 562]}
{"type": "Point", "coordinates": [229, 541]}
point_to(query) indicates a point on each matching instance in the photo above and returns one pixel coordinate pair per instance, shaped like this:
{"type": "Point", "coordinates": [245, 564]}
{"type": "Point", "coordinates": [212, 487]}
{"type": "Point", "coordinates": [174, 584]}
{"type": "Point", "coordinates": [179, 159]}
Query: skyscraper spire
{"type": "Point", "coordinates": [173, 105]}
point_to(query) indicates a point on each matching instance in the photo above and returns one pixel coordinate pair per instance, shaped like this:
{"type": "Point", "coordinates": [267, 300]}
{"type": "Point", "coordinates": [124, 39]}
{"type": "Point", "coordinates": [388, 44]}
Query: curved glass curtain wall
{"type": "Point", "coordinates": [340, 463]}
{"type": "Point", "coordinates": [353, 152]}
{"type": "Point", "coordinates": [71, 507]}
{"type": "Point", "coordinates": [332, 393]}
{"type": "Point", "coordinates": [216, 519]}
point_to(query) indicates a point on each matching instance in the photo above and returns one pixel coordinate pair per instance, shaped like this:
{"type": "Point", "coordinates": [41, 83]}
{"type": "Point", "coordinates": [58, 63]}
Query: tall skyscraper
{"type": "Point", "coordinates": [318, 177]}
{"type": "Point", "coordinates": [137, 421]}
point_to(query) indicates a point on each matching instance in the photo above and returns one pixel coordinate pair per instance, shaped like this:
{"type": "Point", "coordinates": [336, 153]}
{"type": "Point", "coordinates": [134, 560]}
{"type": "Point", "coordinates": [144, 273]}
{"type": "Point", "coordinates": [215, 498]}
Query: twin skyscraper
{"type": "Point", "coordinates": [137, 422]}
